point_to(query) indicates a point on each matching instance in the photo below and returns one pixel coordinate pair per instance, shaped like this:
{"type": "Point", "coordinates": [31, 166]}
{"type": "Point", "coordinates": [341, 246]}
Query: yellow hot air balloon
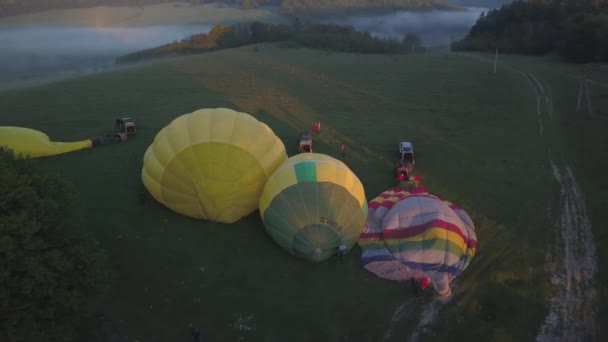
{"type": "Point", "coordinates": [212, 164]}
{"type": "Point", "coordinates": [34, 144]}
{"type": "Point", "coordinates": [314, 206]}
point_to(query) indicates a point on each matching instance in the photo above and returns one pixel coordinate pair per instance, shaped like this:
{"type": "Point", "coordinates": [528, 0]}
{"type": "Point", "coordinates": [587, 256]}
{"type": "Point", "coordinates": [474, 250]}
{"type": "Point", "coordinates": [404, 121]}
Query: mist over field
{"type": "Point", "coordinates": [435, 28]}
{"type": "Point", "coordinates": [41, 51]}
{"type": "Point", "coordinates": [37, 51]}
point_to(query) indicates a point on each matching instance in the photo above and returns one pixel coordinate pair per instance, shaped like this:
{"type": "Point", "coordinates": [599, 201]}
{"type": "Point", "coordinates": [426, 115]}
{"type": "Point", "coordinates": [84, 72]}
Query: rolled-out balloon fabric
{"type": "Point", "coordinates": [31, 143]}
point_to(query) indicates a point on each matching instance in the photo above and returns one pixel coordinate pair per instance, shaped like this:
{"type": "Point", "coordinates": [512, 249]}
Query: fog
{"type": "Point", "coordinates": [435, 28]}
{"type": "Point", "coordinates": [42, 51]}
{"type": "Point", "coordinates": [47, 51]}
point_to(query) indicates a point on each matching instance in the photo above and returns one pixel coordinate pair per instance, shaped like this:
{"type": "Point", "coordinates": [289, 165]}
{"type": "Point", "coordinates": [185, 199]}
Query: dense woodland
{"type": "Point", "coordinates": [322, 36]}
{"type": "Point", "coordinates": [321, 6]}
{"type": "Point", "coordinates": [51, 270]}
{"type": "Point", "coordinates": [479, 3]}
{"type": "Point", "coordinates": [576, 30]}
{"type": "Point", "coordinates": [15, 7]}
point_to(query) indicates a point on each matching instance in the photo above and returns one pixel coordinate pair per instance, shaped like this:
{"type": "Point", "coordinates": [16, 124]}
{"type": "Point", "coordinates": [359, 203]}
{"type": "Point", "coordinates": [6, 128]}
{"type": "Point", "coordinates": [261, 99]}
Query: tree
{"type": "Point", "coordinates": [49, 265]}
{"type": "Point", "coordinates": [575, 29]}
{"type": "Point", "coordinates": [584, 39]}
{"type": "Point", "coordinates": [412, 43]}
{"type": "Point", "coordinates": [216, 34]}
{"type": "Point", "coordinates": [199, 40]}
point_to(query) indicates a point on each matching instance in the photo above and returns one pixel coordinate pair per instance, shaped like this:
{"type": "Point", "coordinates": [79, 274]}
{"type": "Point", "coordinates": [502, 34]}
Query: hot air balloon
{"type": "Point", "coordinates": [34, 144]}
{"type": "Point", "coordinates": [411, 234]}
{"type": "Point", "coordinates": [314, 206]}
{"type": "Point", "coordinates": [212, 164]}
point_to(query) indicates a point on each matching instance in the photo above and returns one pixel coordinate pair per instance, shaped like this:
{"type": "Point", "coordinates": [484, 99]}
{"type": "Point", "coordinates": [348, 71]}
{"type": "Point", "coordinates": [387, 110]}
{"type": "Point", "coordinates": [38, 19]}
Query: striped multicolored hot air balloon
{"type": "Point", "coordinates": [413, 234]}
{"type": "Point", "coordinates": [212, 164]}
{"type": "Point", "coordinates": [314, 206]}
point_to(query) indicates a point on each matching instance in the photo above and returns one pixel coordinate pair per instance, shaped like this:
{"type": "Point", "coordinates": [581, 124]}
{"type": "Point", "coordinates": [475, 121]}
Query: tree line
{"type": "Point", "coordinates": [330, 6]}
{"type": "Point", "coordinates": [576, 30]}
{"type": "Point", "coordinates": [321, 36]}
{"type": "Point", "coordinates": [15, 7]}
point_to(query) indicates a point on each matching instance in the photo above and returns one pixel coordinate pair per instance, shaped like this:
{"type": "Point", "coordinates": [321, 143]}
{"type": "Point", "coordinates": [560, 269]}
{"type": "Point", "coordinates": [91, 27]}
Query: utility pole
{"type": "Point", "coordinates": [495, 59]}
{"type": "Point", "coordinates": [588, 97]}
{"type": "Point", "coordinates": [584, 88]}
{"type": "Point", "coordinates": [580, 96]}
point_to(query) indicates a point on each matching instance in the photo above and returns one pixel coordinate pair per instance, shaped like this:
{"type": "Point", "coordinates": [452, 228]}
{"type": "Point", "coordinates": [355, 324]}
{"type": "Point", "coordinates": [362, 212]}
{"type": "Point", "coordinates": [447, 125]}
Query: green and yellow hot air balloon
{"type": "Point", "coordinates": [212, 164]}
{"type": "Point", "coordinates": [314, 206]}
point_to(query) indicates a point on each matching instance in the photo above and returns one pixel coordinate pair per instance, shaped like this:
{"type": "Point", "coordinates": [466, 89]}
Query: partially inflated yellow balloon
{"type": "Point", "coordinates": [212, 164]}
{"type": "Point", "coordinates": [34, 144]}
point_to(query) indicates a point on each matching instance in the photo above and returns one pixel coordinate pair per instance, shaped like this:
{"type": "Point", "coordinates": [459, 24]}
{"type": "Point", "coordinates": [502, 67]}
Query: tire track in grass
{"type": "Point", "coordinates": [571, 259]}
{"type": "Point", "coordinates": [572, 265]}
{"type": "Point", "coordinates": [427, 317]}
{"type": "Point", "coordinates": [401, 312]}
{"type": "Point", "coordinates": [538, 105]}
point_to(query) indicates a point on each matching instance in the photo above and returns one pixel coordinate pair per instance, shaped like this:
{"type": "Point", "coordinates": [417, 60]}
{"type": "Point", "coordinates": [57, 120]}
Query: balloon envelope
{"type": "Point", "coordinates": [34, 144]}
{"type": "Point", "coordinates": [312, 205]}
{"type": "Point", "coordinates": [212, 164]}
{"type": "Point", "coordinates": [413, 234]}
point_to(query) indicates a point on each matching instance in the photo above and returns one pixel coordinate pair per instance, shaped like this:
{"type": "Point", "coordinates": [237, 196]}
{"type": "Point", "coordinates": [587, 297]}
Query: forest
{"type": "Point", "coordinates": [576, 30]}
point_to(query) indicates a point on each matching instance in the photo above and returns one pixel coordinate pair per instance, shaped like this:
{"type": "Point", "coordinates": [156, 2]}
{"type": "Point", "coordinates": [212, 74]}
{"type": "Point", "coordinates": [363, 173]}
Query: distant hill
{"type": "Point", "coordinates": [577, 30]}
{"type": "Point", "coordinates": [16, 7]}
{"type": "Point", "coordinates": [333, 6]}
{"type": "Point", "coordinates": [329, 37]}
{"type": "Point", "coordinates": [479, 3]}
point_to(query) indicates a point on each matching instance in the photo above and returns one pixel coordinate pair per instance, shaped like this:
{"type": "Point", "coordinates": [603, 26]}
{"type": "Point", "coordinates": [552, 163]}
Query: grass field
{"type": "Point", "coordinates": [137, 16]}
{"type": "Point", "coordinates": [477, 142]}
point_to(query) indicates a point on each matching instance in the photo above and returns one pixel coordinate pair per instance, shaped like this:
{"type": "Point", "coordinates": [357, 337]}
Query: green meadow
{"type": "Point", "coordinates": [477, 143]}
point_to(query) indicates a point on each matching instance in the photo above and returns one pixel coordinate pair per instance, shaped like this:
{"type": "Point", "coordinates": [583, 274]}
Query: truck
{"type": "Point", "coordinates": [305, 142]}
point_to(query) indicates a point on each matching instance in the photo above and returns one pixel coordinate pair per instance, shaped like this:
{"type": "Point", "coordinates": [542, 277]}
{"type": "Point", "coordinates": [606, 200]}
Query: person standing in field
{"type": "Point", "coordinates": [343, 149]}
{"type": "Point", "coordinates": [196, 334]}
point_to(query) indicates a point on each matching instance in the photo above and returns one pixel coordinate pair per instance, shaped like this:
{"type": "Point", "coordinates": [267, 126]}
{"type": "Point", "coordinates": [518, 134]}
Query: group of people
{"type": "Point", "coordinates": [316, 127]}
{"type": "Point", "coordinates": [404, 171]}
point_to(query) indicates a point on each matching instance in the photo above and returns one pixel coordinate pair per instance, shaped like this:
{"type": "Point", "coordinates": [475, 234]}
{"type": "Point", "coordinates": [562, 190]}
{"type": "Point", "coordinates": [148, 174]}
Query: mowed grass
{"type": "Point", "coordinates": [477, 145]}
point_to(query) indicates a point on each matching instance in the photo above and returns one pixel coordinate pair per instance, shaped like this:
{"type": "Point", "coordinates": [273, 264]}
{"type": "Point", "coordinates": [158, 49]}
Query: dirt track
{"type": "Point", "coordinates": [571, 259]}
